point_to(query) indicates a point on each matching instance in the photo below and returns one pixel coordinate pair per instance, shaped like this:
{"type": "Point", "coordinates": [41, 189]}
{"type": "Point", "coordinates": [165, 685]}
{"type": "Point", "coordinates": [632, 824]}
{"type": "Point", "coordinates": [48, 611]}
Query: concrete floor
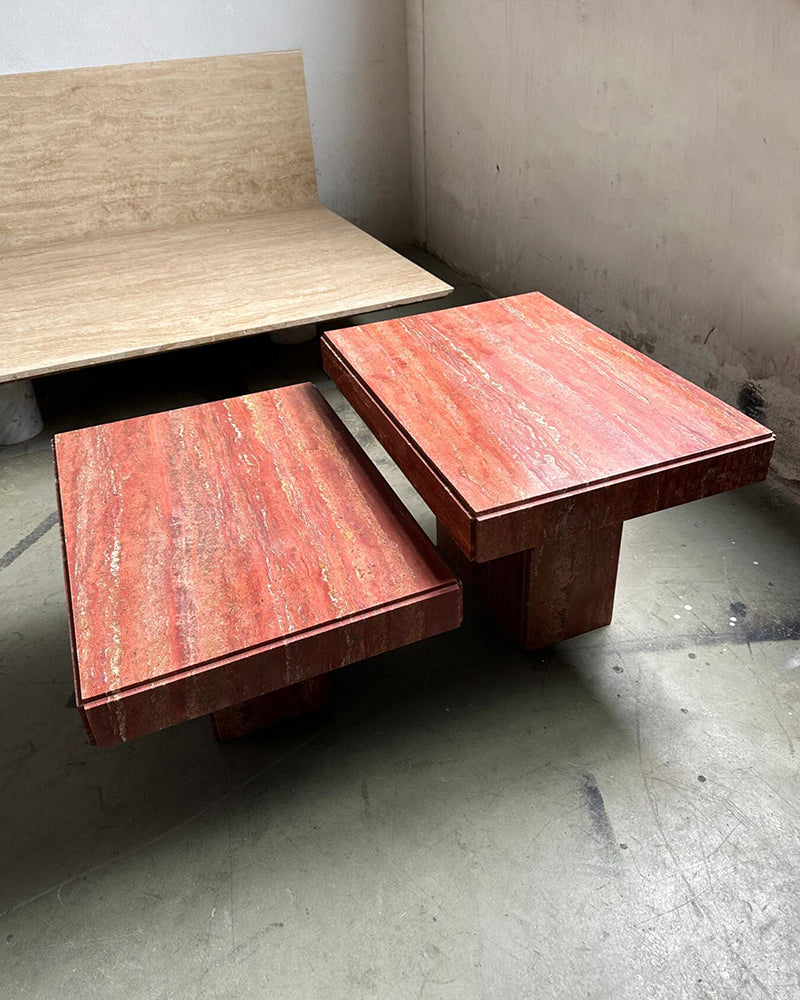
{"type": "Point", "coordinates": [616, 817]}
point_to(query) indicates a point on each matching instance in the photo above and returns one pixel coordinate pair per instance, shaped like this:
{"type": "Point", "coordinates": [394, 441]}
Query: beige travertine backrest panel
{"type": "Point", "coordinates": [113, 149]}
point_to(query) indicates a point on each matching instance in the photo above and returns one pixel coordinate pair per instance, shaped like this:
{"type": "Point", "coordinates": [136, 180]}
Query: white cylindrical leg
{"type": "Point", "coordinates": [20, 418]}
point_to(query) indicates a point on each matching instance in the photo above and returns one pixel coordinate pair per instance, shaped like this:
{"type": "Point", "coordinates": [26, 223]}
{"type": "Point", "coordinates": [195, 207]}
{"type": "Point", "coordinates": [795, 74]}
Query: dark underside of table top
{"type": "Point", "coordinates": [518, 421]}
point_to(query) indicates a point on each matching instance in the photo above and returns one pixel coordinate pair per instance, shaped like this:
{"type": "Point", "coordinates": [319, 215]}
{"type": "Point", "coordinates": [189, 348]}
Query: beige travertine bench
{"type": "Point", "coordinates": [154, 206]}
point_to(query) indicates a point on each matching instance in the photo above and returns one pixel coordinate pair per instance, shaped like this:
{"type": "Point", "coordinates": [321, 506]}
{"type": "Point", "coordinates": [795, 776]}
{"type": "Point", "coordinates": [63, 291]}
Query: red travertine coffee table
{"type": "Point", "coordinates": [533, 435]}
{"type": "Point", "coordinates": [233, 553]}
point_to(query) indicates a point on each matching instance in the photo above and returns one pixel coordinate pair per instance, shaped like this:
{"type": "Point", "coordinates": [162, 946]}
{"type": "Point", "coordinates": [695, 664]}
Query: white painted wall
{"type": "Point", "coordinates": [356, 73]}
{"type": "Point", "coordinates": [639, 162]}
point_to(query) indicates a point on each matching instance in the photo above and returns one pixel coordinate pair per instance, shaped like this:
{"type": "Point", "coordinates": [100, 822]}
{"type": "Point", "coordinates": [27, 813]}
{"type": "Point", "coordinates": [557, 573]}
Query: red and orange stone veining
{"type": "Point", "coordinates": [504, 406]}
{"type": "Point", "coordinates": [199, 535]}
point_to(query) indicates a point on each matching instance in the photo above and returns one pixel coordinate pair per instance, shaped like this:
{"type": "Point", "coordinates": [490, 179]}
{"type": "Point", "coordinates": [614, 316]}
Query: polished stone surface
{"type": "Point", "coordinates": [151, 206]}
{"type": "Point", "coordinates": [613, 818]}
{"type": "Point", "coordinates": [219, 552]}
{"type": "Point", "coordinates": [518, 420]}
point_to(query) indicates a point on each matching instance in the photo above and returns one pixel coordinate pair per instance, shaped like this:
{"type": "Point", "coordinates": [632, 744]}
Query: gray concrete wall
{"type": "Point", "coordinates": [356, 72]}
{"type": "Point", "coordinates": [638, 162]}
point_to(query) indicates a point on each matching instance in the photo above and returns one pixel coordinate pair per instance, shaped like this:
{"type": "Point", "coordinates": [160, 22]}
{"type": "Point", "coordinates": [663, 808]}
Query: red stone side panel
{"type": "Point", "coordinates": [152, 706]}
{"type": "Point", "coordinates": [448, 507]}
{"type": "Point", "coordinates": [588, 510]}
{"type": "Point", "coordinates": [483, 537]}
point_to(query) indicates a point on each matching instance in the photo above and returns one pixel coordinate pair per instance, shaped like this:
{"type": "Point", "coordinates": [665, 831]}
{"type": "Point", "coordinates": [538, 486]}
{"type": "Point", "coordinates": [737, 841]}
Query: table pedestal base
{"type": "Point", "coordinates": [260, 713]}
{"type": "Point", "coordinates": [20, 419]}
{"type": "Point", "coordinates": [544, 595]}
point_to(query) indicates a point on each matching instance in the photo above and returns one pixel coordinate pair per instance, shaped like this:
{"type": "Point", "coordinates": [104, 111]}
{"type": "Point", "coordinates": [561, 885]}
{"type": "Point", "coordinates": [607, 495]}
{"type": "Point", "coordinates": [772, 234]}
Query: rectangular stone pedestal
{"type": "Point", "coordinates": [541, 596]}
{"type": "Point", "coordinates": [263, 712]}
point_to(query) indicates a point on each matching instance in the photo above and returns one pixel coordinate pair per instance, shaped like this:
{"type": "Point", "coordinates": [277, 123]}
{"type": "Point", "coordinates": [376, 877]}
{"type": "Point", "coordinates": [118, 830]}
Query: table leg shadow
{"type": "Point", "coordinates": [269, 709]}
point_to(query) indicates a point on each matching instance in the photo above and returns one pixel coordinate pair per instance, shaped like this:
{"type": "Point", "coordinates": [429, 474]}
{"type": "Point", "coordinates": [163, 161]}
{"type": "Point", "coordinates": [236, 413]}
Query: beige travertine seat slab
{"type": "Point", "coordinates": [153, 206]}
{"type": "Point", "coordinates": [78, 303]}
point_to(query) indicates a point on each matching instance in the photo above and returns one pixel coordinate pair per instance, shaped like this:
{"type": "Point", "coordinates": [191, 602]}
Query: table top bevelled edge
{"type": "Point", "coordinates": [492, 533]}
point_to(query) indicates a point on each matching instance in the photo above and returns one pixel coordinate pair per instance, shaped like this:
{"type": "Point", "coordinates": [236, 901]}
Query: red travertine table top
{"type": "Point", "coordinates": [199, 533]}
{"type": "Point", "coordinates": [518, 401]}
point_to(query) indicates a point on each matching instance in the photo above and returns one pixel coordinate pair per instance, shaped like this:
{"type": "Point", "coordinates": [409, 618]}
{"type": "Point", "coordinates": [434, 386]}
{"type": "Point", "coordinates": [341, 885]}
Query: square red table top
{"type": "Point", "coordinates": [516, 402]}
{"type": "Point", "coordinates": [198, 535]}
